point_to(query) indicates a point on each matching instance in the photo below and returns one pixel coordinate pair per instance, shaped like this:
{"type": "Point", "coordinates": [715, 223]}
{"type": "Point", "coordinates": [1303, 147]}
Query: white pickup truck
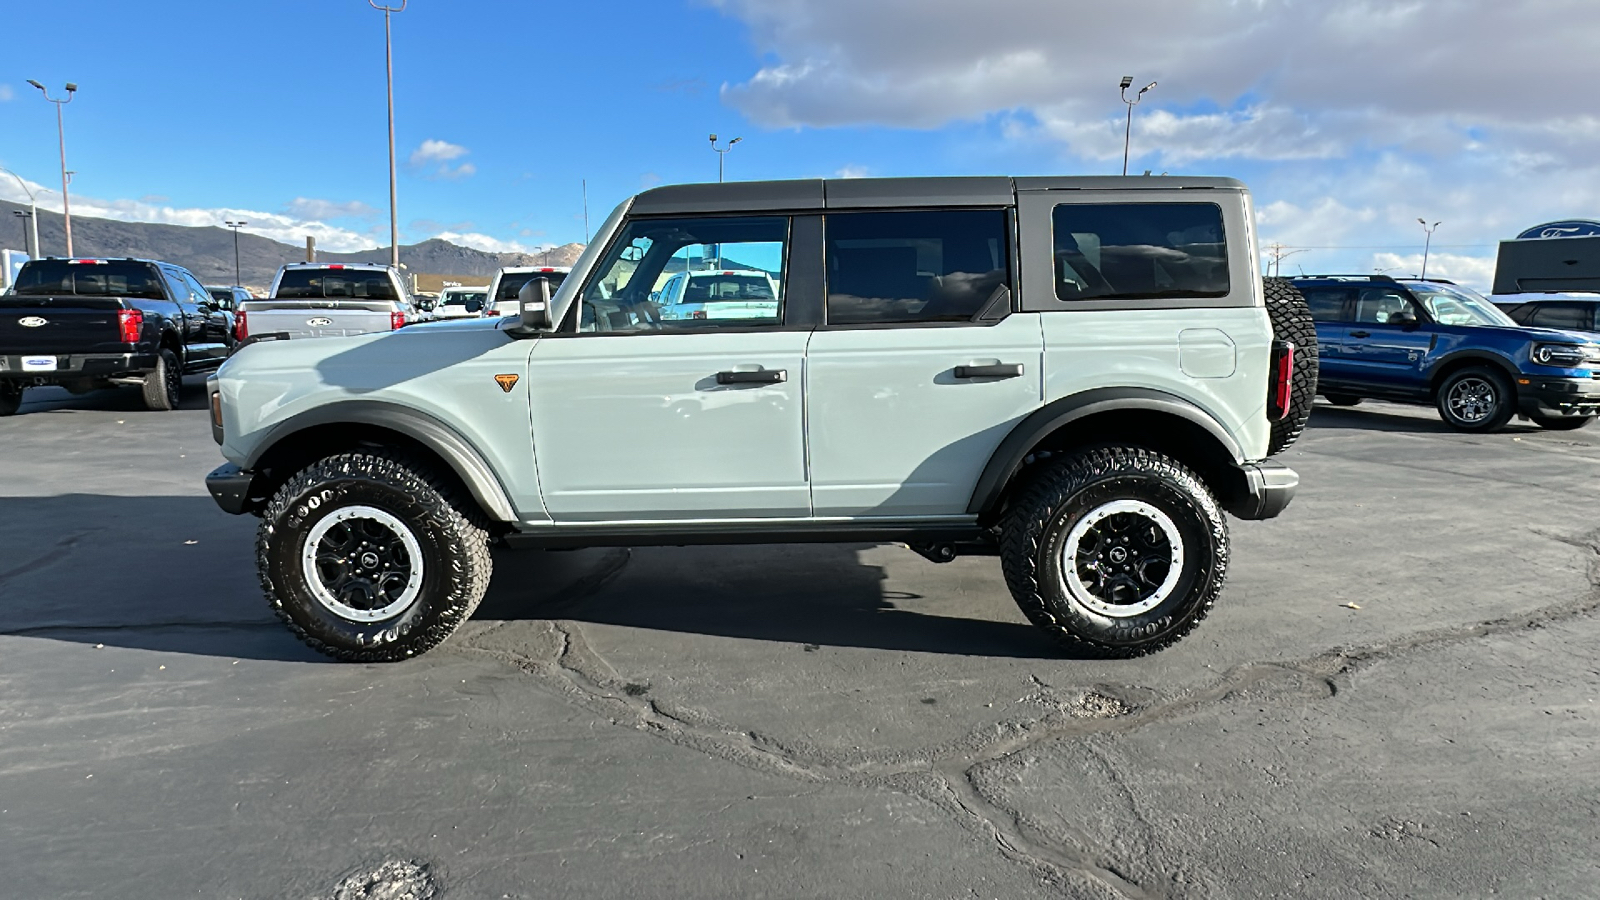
{"type": "Point", "coordinates": [310, 300]}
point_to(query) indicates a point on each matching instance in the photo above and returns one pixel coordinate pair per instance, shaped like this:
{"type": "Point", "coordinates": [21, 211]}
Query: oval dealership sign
{"type": "Point", "coordinates": [1564, 228]}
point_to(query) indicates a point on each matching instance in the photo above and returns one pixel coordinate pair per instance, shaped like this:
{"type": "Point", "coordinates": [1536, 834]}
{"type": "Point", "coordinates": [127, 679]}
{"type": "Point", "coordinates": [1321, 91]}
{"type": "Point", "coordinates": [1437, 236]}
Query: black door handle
{"type": "Point", "coordinates": [1361, 334]}
{"type": "Point", "coordinates": [760, 376]}
{"type": "Point", "coordinates": [999, 370]}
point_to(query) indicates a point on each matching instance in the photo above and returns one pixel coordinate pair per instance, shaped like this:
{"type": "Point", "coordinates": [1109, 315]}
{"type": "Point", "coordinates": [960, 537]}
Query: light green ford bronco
{"type": "Point", "coordinates": [1077, 375]}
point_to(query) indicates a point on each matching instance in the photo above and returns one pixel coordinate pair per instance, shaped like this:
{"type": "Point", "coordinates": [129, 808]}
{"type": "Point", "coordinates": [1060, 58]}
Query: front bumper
{"type": "Point", "coordinates": [1558, 396]}
{"type": "Point", "coordinates": [1265, 488]}
{"type": "Point", "coordinates": [230, 487]}
{"type": "Point", "coordinates": [77, 367]}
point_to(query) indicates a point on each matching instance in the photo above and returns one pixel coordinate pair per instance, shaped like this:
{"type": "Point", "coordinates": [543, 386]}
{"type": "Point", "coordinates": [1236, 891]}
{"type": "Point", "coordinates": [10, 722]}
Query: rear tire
{"type": "Point", "coordinates": [164, 384]}
{"type": "Point", "coordinates": [1292, 322]}
{"type": "Point", "coordinates": [1476, 400]}
{"type": "Point", "coordinates": [1562, 423]}
{"type": "Point", "coordinates": [10, 398]}
{"type": "Point", "coordinates": [1119, 551]}
{"type": "Point", "coordinates": [1342, 399]}
{"type": "Point", "coordinates": [371, 557]}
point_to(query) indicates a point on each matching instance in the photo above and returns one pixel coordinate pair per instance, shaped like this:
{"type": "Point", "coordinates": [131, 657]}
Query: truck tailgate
{"type": "Point", "coordinates": [299, 320]}
{"type": "Point", "coordinates": [59, 325]}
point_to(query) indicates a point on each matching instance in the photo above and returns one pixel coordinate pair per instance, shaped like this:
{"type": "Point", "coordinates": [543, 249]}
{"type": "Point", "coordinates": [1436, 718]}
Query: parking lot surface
{"type": "Point", "coordinates": [1395, 696]}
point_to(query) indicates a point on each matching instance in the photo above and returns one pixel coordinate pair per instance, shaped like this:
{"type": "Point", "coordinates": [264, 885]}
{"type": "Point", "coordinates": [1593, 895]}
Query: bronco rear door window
{"type": "Point", "coordinates": [1139, 250]}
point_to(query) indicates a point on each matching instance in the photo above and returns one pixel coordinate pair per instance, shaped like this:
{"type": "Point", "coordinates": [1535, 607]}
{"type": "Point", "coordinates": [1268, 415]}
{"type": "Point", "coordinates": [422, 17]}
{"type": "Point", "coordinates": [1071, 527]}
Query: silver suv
{"type": "Point", "coordinates": [1077, 375]}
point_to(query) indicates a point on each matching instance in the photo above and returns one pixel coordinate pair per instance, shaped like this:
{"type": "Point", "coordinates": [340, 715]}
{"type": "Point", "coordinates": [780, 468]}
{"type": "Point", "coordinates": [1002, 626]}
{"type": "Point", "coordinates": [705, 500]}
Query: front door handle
{"type": "Point", "coordinates": [760, 376]}
{"type": "Point", "coordinates": [998, 370]}
{"type": "Point", "coordinates": [1361, 334]}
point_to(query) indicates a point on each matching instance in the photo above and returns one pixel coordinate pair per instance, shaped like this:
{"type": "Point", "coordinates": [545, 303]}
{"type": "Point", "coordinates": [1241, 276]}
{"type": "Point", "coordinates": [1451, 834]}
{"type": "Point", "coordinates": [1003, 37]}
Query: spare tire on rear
{"type": "Point", "coordinates": [1291, 322]}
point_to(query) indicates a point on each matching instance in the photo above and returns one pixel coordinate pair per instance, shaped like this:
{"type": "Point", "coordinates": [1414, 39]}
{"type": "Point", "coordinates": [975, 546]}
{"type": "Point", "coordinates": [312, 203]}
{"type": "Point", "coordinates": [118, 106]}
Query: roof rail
{"type": "Point", "coordinates": [1431, 280]}
{"type": "Point", "coordinates": [1354, 277]}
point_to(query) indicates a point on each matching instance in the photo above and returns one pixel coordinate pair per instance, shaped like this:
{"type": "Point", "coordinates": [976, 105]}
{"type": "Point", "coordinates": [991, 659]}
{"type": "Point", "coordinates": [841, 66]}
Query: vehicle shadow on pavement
{"type": "Point", "coordinates": [117, 399]}
{"type": "Point", "coordinates": [810, 594]}
{"type": "Point", "coordinates": [1363, 418]}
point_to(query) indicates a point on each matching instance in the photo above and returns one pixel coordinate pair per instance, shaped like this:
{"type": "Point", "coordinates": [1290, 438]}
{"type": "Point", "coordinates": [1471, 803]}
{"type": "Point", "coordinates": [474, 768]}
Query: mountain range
{"type": "Point", "coordinates": [208, 251]}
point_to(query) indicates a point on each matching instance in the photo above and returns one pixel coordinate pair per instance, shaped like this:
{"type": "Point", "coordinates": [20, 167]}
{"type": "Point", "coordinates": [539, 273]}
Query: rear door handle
{"type": "Point", "coordinates": [998, 370]}
{"type": "Point", "coordinates": [1361, 334]}
{"type": "Point", "coordinates": [761, 376]}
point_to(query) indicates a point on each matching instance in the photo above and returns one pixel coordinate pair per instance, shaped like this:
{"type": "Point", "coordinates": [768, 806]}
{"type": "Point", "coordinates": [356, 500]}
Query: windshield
{"type": "Point", "coordinates": [54, 277]}
{"type": "Point", "coordinates": [362, 284]}
{"type": "Point", "coordinates": [511, 283]}
{"type": "Point", "coordinates": [728, 286]}
{"type": "Point", "coordinates": [223, 295]}
{"type": "Point", "coordinates": [465, 298]}
{"type": "Point", "coordinates": [1458, 306]}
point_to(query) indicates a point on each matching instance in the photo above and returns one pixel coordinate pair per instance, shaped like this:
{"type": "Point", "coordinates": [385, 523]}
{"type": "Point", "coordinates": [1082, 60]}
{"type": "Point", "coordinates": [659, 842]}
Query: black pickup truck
{"type": "Point", "coordinates": [86, 324]}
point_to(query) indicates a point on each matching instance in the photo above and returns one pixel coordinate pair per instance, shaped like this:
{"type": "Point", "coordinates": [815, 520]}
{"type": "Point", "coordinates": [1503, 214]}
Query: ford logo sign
{"type": "Point", "coordinates": [31, 321]}
{"type": "Point", "coordinates": [319, 322]}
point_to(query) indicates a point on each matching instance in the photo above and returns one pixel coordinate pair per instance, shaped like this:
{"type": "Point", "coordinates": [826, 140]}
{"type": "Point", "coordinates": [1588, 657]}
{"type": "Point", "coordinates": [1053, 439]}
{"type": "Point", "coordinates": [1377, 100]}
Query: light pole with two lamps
{"type": "Point", "coordinates": [1427, 244]}
{"type": "Point", "coordinates": [236, 226]}
{"type": "Point", "coordinates": [722, 152]}
{"type": "Point", "coordinates": [1127, 134]}
{"type": "Point", "coordinates": [61, 135]}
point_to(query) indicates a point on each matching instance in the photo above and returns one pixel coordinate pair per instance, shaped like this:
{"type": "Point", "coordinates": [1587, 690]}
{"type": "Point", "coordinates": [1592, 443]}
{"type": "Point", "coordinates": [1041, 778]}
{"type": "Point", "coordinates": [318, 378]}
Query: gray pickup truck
{"type": "Point", "coordinates": [310, 300]}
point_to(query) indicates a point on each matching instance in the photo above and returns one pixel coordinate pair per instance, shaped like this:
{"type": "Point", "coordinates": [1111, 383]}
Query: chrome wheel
{"type": "Point", "coordinates": [363, 564]}
{"type": "Point", "coordinates": [1122, 559]}
{"type": "Point", "coordinates": [1472, 400]}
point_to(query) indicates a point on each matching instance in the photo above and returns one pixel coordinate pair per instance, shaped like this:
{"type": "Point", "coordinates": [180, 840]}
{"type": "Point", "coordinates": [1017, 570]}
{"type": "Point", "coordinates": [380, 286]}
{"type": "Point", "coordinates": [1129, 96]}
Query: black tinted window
{"type": "Point", "coordinates": [511, 284]}
{"type": "Point", "coordinates": [1139, 250]}
{"type": "Point", "coordinates": [939, 266]}
{"type": "Point", "coordinates": [362, 284]}
{"type": "Point", "coordinates": [49, 277]}
{"type": "Point", "coordinates": [1563, 315]}
{"type": "Point", "coordinates": [1327, 304]}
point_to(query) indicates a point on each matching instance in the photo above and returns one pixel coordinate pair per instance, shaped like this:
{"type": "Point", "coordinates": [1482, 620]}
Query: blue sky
{"type": "Point", "coordinates": [1349, 119]}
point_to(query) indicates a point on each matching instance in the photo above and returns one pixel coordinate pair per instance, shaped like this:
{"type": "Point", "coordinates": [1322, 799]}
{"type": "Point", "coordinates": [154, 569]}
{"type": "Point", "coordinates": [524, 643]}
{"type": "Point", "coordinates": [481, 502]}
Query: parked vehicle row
{"type": "Point", "coordinates": [309, 300]}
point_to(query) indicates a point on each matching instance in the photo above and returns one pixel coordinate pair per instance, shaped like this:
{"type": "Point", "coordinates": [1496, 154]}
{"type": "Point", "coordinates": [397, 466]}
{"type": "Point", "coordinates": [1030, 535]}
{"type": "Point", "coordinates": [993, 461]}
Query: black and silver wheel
{"type": "Point", "coordinates": [10, 398]}
{"type": "Point", "coordinates": [164, 384]}
{"type": "Point", "coordinates": [1121, 551]}
{"type": "Point", "coordinates": [1476, 399]}
{"type": "Point", "coordinates": [1562, 423]}
{"type": "Point", "coordinates": [1342, 399]}
{"type": "Point", "coordinates": [371, 557]}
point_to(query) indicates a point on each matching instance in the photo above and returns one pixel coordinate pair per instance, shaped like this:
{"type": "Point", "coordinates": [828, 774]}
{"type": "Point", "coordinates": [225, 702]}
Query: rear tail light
{"type": "Point", "coordinates": [130, 322]}
{"type": "Point", "coordinates": [698, 314]}
{"type": "Point", "coordinates": [240, 329]}
{"type": "Point", "coordinates": [491, 312]}
{"type": "Point", "coordinates": [1282, 386]}
{"type": "Point", "coordinates": [397, 320]}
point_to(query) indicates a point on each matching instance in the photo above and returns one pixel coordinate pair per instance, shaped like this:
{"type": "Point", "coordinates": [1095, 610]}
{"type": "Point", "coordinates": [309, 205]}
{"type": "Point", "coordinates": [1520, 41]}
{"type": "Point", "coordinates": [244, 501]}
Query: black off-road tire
{"type": "Point", "coordinates": [1342, 399]}
{"type": "Point", "coordinates": [163, 385]}
{"type": "Point", "coordinates": [1291, 321]}
{"type": "Point", "coordinates": [1562, 423]}
{"type": "Point", "coordinates": [1501, 405]}
{"type": "Point", "coordinates": [10, 398]}
{"type": "Point", "coordinates": [446, 528]}
{"type": "Point", "coordinates": [1074, 490]}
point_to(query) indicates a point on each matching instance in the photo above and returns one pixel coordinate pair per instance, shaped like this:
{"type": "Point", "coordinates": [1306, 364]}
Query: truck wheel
{"type": "Point", "coordinates": [1562, 423]}
{"type": "Point", "coordinates": [163, 384]}
{"type": "Point", "coordinates": [1476, 399]}
{"type": "Point", "coordinates": [1292, 322]}
{"type": "Point", "coordinates": [1120, 551]}
{"type": "Point", "coordinates": [10, 398]}
{"type": "Point", "coordinates": [1342, 399]}
{"type": "Point", "coordinates": [371, 557]}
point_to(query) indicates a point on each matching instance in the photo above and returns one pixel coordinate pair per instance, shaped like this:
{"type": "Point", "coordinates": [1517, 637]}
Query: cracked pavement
{"type": "Point", "coordinates": [1395, 696]}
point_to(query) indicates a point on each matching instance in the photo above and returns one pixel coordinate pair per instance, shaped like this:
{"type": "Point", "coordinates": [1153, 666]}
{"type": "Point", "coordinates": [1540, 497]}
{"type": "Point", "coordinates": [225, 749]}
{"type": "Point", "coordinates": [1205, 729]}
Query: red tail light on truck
{"type": "Point", "coordinates": [130, 322]}
{"type": "Point", "coordinates": [397, 320]}
{"type": "Point", "coordinates": [240, 329]}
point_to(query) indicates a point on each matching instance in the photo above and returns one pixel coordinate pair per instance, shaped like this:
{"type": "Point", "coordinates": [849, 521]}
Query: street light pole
{"type": "Point", "coordinates": [1427, 244]}
{"type": "Point", "coordinates": [722, 152]}
{"type": "Point", "coordinates": [1127, 133]}
{"type": "Point", "coordinates": [61, 135]}
{"type": "Point", "coordinates": [33, 215]}
{"type": "Point", "coordinates": [388, 54]}
{"type": "Point", "coordinates": [236, 226]}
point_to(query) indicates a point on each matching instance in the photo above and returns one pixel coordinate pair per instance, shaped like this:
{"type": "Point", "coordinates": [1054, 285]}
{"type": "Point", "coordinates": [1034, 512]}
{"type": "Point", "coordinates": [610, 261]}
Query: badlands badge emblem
{"type": "Point", "coordinates": [506, 382]}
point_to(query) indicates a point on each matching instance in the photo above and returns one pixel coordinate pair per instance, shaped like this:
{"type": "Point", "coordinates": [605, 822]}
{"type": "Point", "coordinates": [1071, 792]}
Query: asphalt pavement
{"type": "Point", "coordinates": [1396, 696]}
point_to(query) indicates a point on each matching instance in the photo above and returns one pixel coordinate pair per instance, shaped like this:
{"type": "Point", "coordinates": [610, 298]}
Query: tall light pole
{"type": "Point", "coordinates": [1127, 133]}
{"type": "Point", "coordinates": [236, 226]}
{"type": "Point", "coordinates": [722, 152]}
{"type": "Point", "coordinates": [388, 54]}
{"type": "Point", "coordinates": [61, 134]}
{"type": "Point", "coordinates": [33, 216]}
{"type": "Point", "coordinates": [1427, 244]}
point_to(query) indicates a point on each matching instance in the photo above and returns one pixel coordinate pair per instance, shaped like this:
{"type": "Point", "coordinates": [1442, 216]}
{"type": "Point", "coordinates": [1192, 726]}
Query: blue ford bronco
{"type": "Point", "coordinates": [1436, 342]}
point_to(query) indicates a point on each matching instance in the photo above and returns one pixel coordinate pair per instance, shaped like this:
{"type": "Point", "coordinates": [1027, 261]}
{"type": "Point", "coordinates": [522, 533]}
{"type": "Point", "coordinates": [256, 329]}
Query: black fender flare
{"type": "Point", "coordinates": [1506, 366]}
{"type": "Point", "coordinates": [1008, 458]}
{"type": "Point", "coordinates": [426, 430]}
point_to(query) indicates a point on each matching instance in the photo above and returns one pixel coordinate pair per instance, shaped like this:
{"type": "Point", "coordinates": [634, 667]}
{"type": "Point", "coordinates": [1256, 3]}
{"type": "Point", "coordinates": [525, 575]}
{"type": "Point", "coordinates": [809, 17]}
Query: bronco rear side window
{"type": "Point", "coordinates": [1139, 250]}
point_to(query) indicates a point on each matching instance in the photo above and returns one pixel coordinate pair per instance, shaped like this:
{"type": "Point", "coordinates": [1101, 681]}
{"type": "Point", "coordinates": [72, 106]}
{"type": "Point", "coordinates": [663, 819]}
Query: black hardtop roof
{"type": "Point", "coordinates": [869, 193]}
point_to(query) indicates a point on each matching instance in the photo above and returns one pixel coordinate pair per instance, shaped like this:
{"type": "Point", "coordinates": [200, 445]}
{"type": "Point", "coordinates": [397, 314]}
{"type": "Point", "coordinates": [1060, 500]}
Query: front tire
{"type": "Point", "coordinates": [371, 557]}
{"type": "Point", "coordinates": [1120, 551]}
{"type": "Point", "coordinates": [1476, 400]}
{"type": "Point", "coordinates": [1562, 423]}
{"type": "Point", "coordinates": [163, 385]}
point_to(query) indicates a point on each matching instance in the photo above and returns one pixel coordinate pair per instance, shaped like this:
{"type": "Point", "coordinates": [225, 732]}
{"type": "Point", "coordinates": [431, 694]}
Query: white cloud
{"type": "Point", "coordinates": [6, 93]}
{"type": "Point", "coordinates": [309, 208]}
{"type": "Point", "coordinates": [437, 151]}
{"type": "Point", "coordinates": [490, 244]}
{"type": "Point", "coordinates": [851, 172]}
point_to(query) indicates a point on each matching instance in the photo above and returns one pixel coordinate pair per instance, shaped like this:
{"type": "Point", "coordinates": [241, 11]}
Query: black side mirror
{"type": "Point", "coordinates": [533, 302]}
{"type": "Point", "coordinates": [1404, 319]}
